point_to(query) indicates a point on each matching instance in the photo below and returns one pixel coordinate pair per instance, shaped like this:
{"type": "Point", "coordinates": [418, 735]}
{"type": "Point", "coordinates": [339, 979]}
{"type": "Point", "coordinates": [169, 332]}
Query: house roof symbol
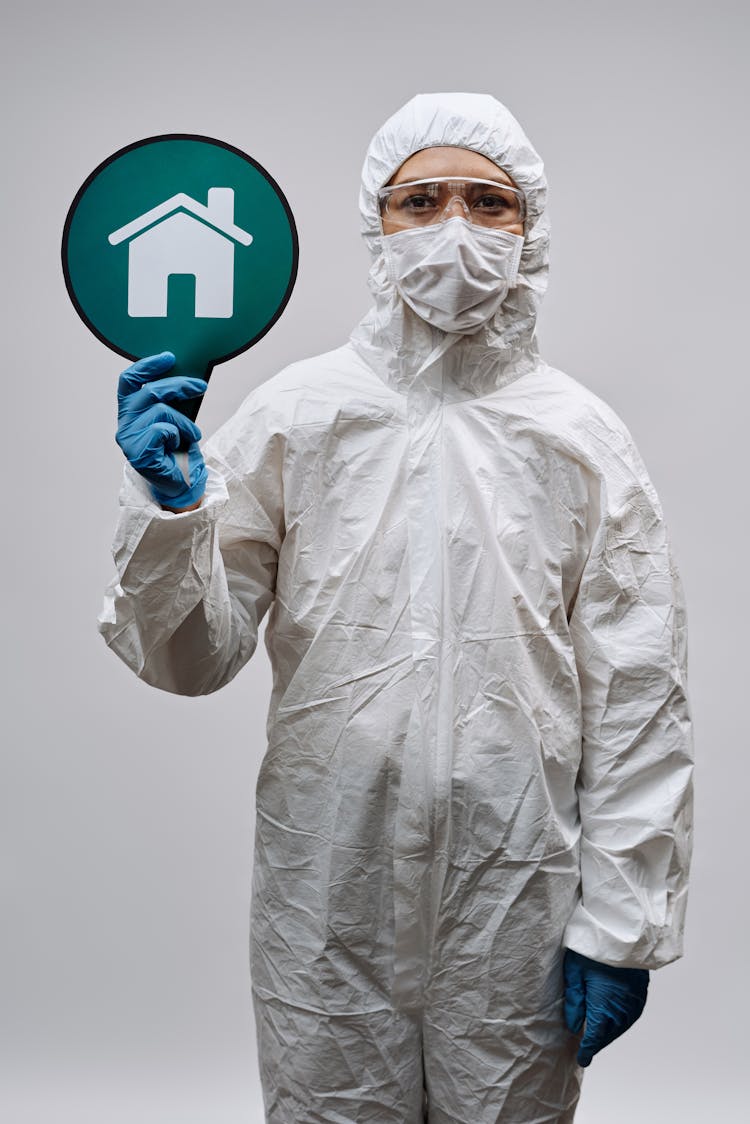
{"type": "Point", "coordinates": [218, 215]}
{"type": "Point", "coordinates": [182, 236]}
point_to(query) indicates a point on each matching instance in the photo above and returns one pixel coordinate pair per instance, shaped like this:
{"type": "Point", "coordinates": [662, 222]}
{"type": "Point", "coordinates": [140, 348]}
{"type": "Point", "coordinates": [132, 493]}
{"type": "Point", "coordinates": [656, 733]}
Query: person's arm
{"type": "Point", "coordinates": [192, 587]}
{"type": "Point", "coordinates": [629, 630]}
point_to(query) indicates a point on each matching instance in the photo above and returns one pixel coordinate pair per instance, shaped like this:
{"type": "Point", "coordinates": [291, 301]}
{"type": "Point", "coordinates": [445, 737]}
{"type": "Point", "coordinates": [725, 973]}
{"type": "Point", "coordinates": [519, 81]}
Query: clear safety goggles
{"type": "Point", "coordinates": [422, 202]}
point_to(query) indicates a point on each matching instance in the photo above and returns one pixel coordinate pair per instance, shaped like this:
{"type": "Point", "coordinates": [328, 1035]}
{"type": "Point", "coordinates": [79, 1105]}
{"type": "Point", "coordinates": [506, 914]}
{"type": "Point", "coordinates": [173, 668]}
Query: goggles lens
{"type": "Point", "coordinates": [422, 202]}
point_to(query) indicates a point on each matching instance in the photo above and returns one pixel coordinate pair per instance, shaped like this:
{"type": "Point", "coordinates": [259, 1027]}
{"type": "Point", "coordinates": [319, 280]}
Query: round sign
{"type": "Point", "coordinates": [180, 243]}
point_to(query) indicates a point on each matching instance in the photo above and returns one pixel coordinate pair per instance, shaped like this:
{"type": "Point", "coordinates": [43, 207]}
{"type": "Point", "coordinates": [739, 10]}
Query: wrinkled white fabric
{"type": "Point", "coordinates": [479, 741]}
{"type": "Point", "coordinates": [453, 274]}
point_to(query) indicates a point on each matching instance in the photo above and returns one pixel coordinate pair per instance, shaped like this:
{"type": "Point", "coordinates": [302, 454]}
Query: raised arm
{"type": "Point", "coordinates": [192, 587]}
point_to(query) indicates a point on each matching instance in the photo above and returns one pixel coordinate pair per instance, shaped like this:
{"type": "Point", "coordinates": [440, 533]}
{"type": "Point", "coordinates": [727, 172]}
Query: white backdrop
{"type": "Point", "coordinates": [126, 816]}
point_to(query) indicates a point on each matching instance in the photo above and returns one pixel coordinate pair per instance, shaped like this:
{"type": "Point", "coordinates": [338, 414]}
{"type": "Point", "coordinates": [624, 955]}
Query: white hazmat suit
{"type": "Point", "coordinates": [479, 741]}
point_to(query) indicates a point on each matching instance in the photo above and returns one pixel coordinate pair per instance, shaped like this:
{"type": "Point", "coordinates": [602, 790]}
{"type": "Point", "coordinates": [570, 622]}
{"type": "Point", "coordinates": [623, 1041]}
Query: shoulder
{"type": "Point", "coordinates": [571, 410]}
{"type": "Point", "coordinates": [307, 391]}
{"type": "Point", "coordinates": [310, 392]}
{"type": "Point", "coordinates": [565, 404]}
{"type": "Point", "coordinates": [580, 424]}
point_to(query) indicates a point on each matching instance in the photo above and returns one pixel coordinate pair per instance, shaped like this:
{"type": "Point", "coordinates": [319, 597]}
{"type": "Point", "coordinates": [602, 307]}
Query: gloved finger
{"type": "Point", "coordinates": [143, 371]}
{"type": "Point", "coordinates": [131, 426]}
{"type": "Point", "coordinates": [179, 482]}
{"type": "Point", "coordinates": [174, 483]}
{"type": "Point", "coordinates": [155, 458]}
{"type": "Point", "coordinates": [177, 388]}
{"type": "Point", "coordinates": [584, 1057]}
{"type": "Point", "coordinates": [574, 1003]}
{"type": "Point", "coordinates": [195, 458]}
{"type": "Point", "coordinates": [601, 1029]}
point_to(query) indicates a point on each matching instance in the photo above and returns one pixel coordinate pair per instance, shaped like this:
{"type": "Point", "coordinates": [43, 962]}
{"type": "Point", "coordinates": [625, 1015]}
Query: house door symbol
{"type": "Point", "coordinates": [183, 236]}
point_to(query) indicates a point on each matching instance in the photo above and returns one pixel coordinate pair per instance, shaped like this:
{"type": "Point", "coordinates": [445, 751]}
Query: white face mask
{"type": "Point", "coordinates": [454, 274]}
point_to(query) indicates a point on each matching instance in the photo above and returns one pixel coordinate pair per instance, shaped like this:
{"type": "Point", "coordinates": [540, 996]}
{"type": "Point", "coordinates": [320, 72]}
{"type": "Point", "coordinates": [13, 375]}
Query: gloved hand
{"type": "Point", "coordinates": [150, 430]}
{"type": "Point", "coordinates": [609, 999]}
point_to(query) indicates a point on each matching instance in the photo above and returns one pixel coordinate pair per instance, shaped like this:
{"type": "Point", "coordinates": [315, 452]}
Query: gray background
{"type": "Point", "coordinates": [126, 814]}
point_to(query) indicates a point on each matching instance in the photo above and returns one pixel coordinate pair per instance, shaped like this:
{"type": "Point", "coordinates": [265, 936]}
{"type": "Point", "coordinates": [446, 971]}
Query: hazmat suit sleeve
{"type": "Point", "coordinates": [628, 626]}
{"type": "Point", "coordinates": [192, 588]}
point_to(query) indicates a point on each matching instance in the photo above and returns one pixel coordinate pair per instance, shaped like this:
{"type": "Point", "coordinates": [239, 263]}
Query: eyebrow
{"type": "Point", "coordinates": [493, 179]}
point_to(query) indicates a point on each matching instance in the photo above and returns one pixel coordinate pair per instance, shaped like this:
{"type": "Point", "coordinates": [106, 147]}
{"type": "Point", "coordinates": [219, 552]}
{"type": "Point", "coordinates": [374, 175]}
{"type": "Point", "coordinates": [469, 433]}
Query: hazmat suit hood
{"type": "Point", "coordinates": [391, 338]}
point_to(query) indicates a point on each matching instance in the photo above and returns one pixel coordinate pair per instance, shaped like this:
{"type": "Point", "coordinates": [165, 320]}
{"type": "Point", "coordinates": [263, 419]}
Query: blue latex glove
{"type": "Point", "coordinates": [608, 999]}
{"type": "Point", "coordinates": [150, 430]}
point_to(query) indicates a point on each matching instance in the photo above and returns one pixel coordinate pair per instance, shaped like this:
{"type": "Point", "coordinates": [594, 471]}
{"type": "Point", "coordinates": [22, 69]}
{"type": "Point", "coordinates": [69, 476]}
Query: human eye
{"type": "Point", "coordinates": [494, 202]}
{"type": "Point", "coordinates": [415, 202]}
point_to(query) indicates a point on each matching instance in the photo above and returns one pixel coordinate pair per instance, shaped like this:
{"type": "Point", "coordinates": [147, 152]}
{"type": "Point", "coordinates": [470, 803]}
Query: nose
{"type": "Point", "coordinates": [455, 206]}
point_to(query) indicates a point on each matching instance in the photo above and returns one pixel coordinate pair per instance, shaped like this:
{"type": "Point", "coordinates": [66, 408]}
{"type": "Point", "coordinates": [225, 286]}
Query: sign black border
{"type": "Point", "coordinates": [206, 140]}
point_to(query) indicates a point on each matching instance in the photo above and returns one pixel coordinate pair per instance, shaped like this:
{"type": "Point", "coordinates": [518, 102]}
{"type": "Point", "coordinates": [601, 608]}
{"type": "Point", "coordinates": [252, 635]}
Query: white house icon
{"type": "Point", "coordinates": [181, 235]}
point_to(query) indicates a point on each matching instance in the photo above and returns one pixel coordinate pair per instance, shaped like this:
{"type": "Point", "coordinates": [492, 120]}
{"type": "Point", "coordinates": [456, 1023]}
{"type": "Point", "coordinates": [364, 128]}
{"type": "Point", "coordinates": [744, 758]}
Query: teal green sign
{"type": "Point", "coordinates": [180, 243]}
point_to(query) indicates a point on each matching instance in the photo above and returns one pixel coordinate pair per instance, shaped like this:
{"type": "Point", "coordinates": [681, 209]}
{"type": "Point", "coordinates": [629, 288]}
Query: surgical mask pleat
{"type": "Point", "coordinates": [453, 274]}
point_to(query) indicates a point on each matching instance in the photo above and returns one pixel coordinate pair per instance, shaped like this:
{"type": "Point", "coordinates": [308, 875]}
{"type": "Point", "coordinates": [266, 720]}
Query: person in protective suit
{"type": "Point", "coordinates": [474, 812]}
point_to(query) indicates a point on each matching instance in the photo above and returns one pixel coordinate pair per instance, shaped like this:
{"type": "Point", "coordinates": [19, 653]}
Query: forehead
{"type": "Point", "coordinates": [449, 161]}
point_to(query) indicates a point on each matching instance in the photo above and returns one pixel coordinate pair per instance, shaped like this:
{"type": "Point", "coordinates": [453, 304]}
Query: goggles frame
{"type": "Point", "coordinates": [385, 194]}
